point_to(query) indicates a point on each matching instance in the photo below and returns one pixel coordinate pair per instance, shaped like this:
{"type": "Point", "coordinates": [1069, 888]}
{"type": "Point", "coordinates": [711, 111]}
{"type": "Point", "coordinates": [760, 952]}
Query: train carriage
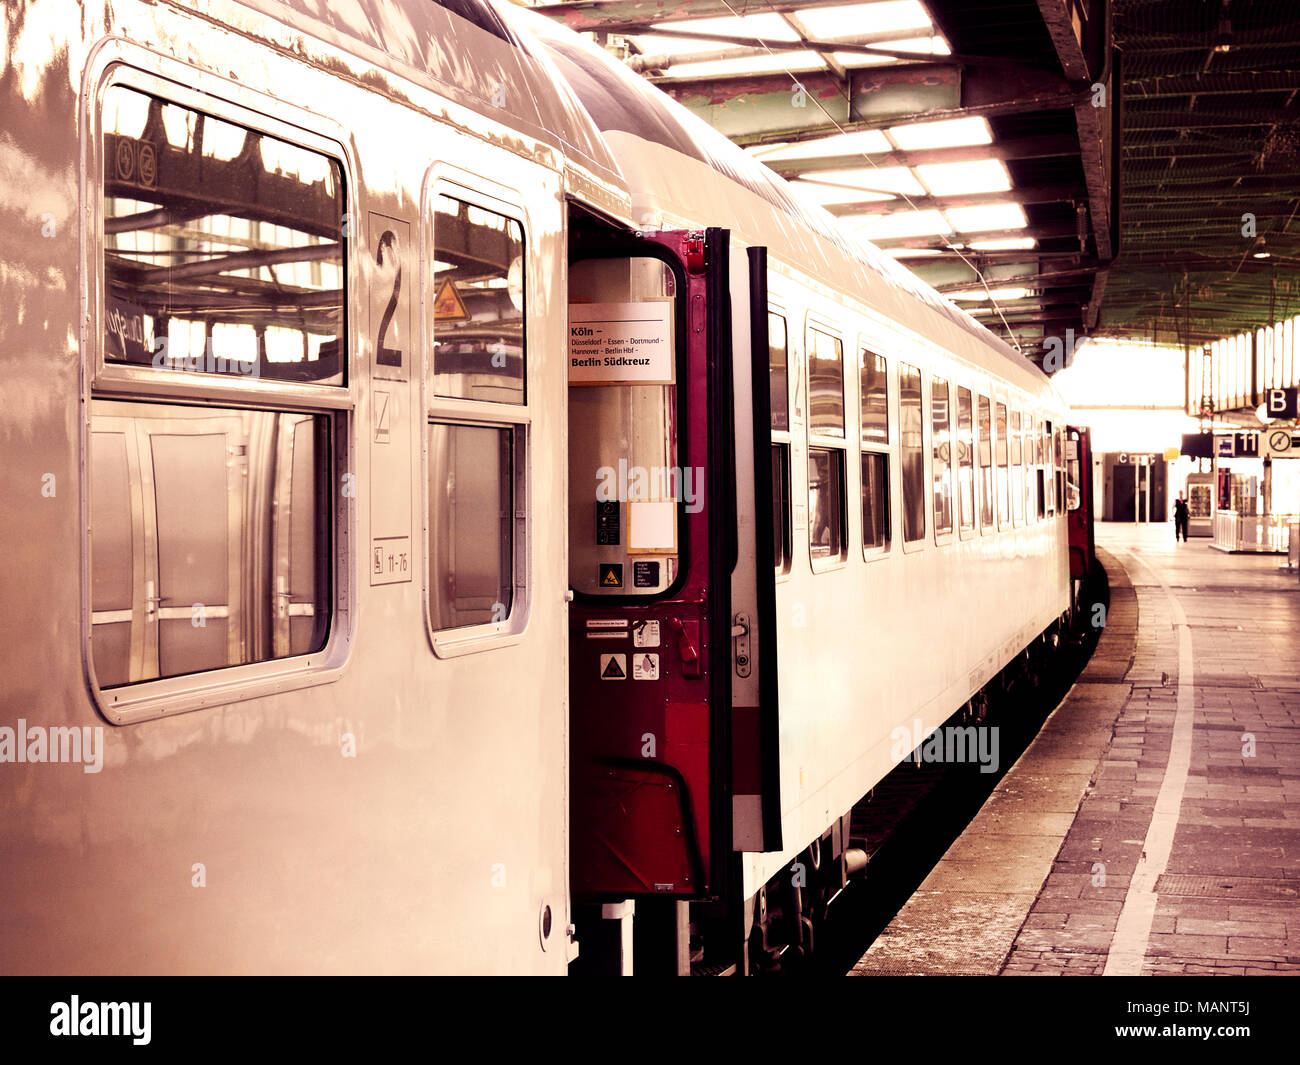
{"type": "Point", "coordinates": [466, 504]}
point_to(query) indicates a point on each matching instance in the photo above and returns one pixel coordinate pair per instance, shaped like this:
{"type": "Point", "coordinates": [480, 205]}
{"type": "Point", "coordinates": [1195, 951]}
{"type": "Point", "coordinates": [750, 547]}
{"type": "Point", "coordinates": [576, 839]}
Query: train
{"type": "Point", "coordinates": [464, 514]}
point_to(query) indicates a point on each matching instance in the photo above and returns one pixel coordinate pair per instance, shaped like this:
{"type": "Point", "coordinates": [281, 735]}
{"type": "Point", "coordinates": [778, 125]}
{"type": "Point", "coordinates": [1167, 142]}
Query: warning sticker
{"type": "Point", "coordinates": [621, 343]}
{"type": "Point", "coordinates": [645, 575]}
{"type": "Point", "coordinates": [645, 667]}
{"type": "Point", "coordinates": [645, 634]}
{"type": "Point", "coordinates": [447, 305]}
{"type": "Point", "coordinates": [607, 523]}
{"type": "Point", "coordinates": [613, 667]}
{"type": "Point", "coordinates": [611, 575]}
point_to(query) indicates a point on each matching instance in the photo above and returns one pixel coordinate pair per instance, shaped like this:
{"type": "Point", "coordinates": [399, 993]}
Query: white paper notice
{"type": "Point", "coordinates": [621, 343]}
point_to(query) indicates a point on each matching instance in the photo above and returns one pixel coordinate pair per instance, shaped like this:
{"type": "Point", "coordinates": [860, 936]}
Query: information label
{"type": "Point", "coordinates": [621, 343]}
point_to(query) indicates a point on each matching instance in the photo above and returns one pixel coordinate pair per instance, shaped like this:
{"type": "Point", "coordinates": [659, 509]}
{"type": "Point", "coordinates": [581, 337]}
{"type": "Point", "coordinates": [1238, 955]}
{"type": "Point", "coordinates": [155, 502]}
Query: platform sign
{"type": "Point", "coordinates": [1237, 445]}
{"type": "Point", "coordinates": [1282, 443]}
{"type": "Point", "coordinates": [1280, 404]}
{"type": "Point", "coordinates": [621, 343]}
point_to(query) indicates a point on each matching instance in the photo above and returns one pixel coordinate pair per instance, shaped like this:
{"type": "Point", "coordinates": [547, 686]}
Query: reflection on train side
{"type": "Point", "coordinates": [210, 538]}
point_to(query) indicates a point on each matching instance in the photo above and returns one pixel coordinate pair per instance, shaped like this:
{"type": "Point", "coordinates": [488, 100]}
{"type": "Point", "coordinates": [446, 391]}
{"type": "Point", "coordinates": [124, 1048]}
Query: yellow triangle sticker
{"type": "Point", "coordinates": [447, 305]}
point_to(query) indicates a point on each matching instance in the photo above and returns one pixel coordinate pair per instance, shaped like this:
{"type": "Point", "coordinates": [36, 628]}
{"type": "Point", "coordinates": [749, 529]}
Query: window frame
{"type": "Point", "coordinates": [946, 535]}
{"type": "Point", "coordinates": [991, 525]}
{"type": "Point", "coordinates": [1002, 485]}
{"type": "Point", "coordinates": [784, 438]}
{"type": "Point", "coordinates": [926, 488]}
{"type": "Point", "coordinates": [126, 64]}
{"type": "Point", "coordinates": [443, 179]}
{"type": "Point", "coordinates": [825, 441]}
{"type": "Point", "coordinates": [964, 531]}
{"type": "Point", "coordinates": [873, 553]}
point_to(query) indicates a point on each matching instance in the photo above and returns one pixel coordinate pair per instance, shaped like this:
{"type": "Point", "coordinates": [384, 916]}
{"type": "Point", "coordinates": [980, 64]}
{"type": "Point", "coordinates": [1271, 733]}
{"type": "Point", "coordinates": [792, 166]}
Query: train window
{"type": "Point", "coordinates": [471, 524]}
{"type": "Point", "coordinates": [875, 500]}
{"type": "Point", "coordinates": [985, 463]}
{"type": "Point", "coordinates": [1049, 460]}
{"type": "Point", "coordinates": [1004, 476]}
{"type": "Point", "coordinates": [1041, 481]}
{"type": "Point", "coordinates": [911, 452]}
{"type": "Point", "coordinates": [827, 531]}
{"type": "Point", "coordinates": [781, 535]}
{"type": "Point", "coordinates": [1017, 471]}
{"type": "Point", "coordinates": [1073, 474]}
{"type": "Point", "coordinates": [478, 303]}
{"type": "Point", "coordinates": [941, 442]}
{"type": "Point", "coordinates": [223, 246]}
{"type": "Point", "coordinates": [965, 461]}
{"type": "Point", "coordinates": [825, 384]}
{"type": "Point", "coordinates": [628, 494]}
{"type": "Point", "coordinates": [778, 362]}
{"type": "Point", "coordinates": [875, 398]}
{"type": "Point", "coordinates": [210, 537]}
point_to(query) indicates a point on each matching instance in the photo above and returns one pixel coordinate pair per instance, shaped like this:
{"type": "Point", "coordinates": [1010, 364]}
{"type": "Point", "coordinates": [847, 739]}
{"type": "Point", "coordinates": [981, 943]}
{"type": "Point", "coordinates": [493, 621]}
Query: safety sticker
{"type": "Point", "coordinates": [645, 574]}
{"type": "Point", "coordinates": [447, 304]}
{"type": "Point", "coordinates": [645, 633]}
{"type": "Point", "coordinates": [611, 575]}
{"type": "Point", "coordinates": [645, 667]}
{"type": "Point", "coordinates": [613, 667]}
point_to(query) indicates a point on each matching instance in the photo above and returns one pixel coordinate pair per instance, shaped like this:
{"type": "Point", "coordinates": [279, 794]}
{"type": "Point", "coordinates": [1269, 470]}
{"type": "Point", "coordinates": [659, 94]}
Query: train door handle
{"type": "Point", "coordinates": [740, 633]}
{"type": "Point", "coordinates": [688, 638]}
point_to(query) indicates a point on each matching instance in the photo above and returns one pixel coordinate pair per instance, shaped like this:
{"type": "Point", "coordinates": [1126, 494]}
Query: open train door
{"type": "Point", "coordinates": [652, 542]}
{"type": "Point", "coordinates": [1078, 493]}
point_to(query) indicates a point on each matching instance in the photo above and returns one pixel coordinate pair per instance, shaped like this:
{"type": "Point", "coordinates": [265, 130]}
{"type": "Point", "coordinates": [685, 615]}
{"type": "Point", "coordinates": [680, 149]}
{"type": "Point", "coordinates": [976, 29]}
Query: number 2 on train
{"type": "Point", "coordinates": [386, 356]}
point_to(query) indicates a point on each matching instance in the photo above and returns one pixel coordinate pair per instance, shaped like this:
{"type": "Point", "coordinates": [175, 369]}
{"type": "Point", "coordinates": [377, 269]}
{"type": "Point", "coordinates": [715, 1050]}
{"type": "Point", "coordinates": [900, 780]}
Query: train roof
{"type": "Point", "coordinates": [621, 103]}
{"type": "Point", "coordinates": [468, 51]}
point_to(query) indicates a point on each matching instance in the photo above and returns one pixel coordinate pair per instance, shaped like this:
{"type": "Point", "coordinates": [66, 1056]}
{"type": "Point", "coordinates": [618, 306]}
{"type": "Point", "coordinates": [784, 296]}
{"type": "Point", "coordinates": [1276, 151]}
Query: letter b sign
{"type": "Point", "coordinates": [1280, 403]}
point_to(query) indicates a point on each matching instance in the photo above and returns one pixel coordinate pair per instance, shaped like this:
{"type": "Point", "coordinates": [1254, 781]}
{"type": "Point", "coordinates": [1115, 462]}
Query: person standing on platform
{"type": "Point", "coordinates": [1180, 518]}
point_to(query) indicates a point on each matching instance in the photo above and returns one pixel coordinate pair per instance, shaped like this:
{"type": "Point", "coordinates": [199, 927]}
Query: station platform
{"type": "Point", "coordinates": [1153, 826]}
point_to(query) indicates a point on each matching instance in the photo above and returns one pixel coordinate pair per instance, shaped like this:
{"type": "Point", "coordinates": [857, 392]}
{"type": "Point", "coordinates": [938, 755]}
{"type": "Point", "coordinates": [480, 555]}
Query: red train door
{"type": "Point", "coordinates": [651, 547]}
{"type": "Point", "coordinates": [1078, 491]}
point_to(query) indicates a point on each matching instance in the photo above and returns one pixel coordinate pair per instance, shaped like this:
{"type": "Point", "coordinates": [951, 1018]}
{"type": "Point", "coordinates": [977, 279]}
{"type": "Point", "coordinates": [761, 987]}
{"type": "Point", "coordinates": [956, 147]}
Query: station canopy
{"type": "Point", "coordinates": [985, 143]}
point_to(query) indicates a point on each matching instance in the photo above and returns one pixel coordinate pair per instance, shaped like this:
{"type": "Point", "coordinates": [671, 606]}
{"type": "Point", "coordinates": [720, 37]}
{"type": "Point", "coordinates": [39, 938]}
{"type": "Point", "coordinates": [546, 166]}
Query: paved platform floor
{"type": "Point", "coordinates": [1153, 827]}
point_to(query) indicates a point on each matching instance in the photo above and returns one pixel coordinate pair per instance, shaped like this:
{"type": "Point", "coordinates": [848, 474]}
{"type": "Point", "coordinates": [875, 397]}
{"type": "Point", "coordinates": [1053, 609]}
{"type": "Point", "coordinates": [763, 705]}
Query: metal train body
{"type": "Point", "coordinates": [320, 602]}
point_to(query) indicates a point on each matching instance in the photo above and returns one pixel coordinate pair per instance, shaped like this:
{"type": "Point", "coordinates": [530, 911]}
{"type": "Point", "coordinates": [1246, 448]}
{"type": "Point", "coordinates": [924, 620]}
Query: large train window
{"type": "Point", "coordinates": [985, 430]}
{"type": "Point", "coordinates": [778, 358]}
{"type": "Point", "coordinates": [213, 447]}
{"type": "Point", "coordinates": [223, 251]}
{"type": "Point", "coordinates": [875, 459]}
{"type": "Point", "coordinates": [941, 460]}
{"type": "Point", "coordinates": [912, 452]}
{"type": "Point", "coordinates": [781, 534]}
{"type": "Point", "coordinates": [627, 490]}
{"type": "Point", "coordinates": [478, 303]}
{"type": "Point", "coordinates": [827, 531]}
{"type": "Point", "coordinates": [1049, 460]}
{"type": "Point", "coordinates": [1017, 471]}
{"type": "Point", "coordinates": [965, 461]}
{"type": "Point", "coordinates": [825, 384]}
{"type": "Point", "coordinates": [778, 353]}
{"type": "Point", "coordinates": [472, 524]}
{"type": "Point", "coordinates": [1041, 480]}
{"type": "Point", "coordinates": [1003, 451]}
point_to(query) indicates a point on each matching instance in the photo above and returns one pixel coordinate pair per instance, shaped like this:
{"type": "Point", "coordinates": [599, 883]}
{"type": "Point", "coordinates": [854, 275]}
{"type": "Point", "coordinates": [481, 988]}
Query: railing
{"type": "Point", "coordinates": [1255, 533]}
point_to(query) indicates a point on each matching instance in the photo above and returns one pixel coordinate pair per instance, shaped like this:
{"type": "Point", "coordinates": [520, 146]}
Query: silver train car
{"type": "Point", "coordinates": [460, 509]}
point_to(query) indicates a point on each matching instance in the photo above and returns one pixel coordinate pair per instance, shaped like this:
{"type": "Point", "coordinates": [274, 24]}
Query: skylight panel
{"type": "Point", "coordinates": [858, 20]}
{"type": "Point", "coordinates": [865, 142]}
{"type": "Point", "coordinates": [879, 179]}
{"type": "Point", "coordinates": [829, 193]}
{"type": "Point", "coordinates": [763, 64]}
{"type": "Point", "coordinates": [981, 175]}
{"type": "Point", "coordinates": [769, 26]}
{"type": "Point", "coordinates": [992, 216]}
{"type": "Point", "coordinates": [1004, 244]}
{"type": "Point", "coordinates": [950, 133]}
{"type": "Point", "coordinates": [903, 224]}
{"type": "Point", "coordinates": [980, 296]}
